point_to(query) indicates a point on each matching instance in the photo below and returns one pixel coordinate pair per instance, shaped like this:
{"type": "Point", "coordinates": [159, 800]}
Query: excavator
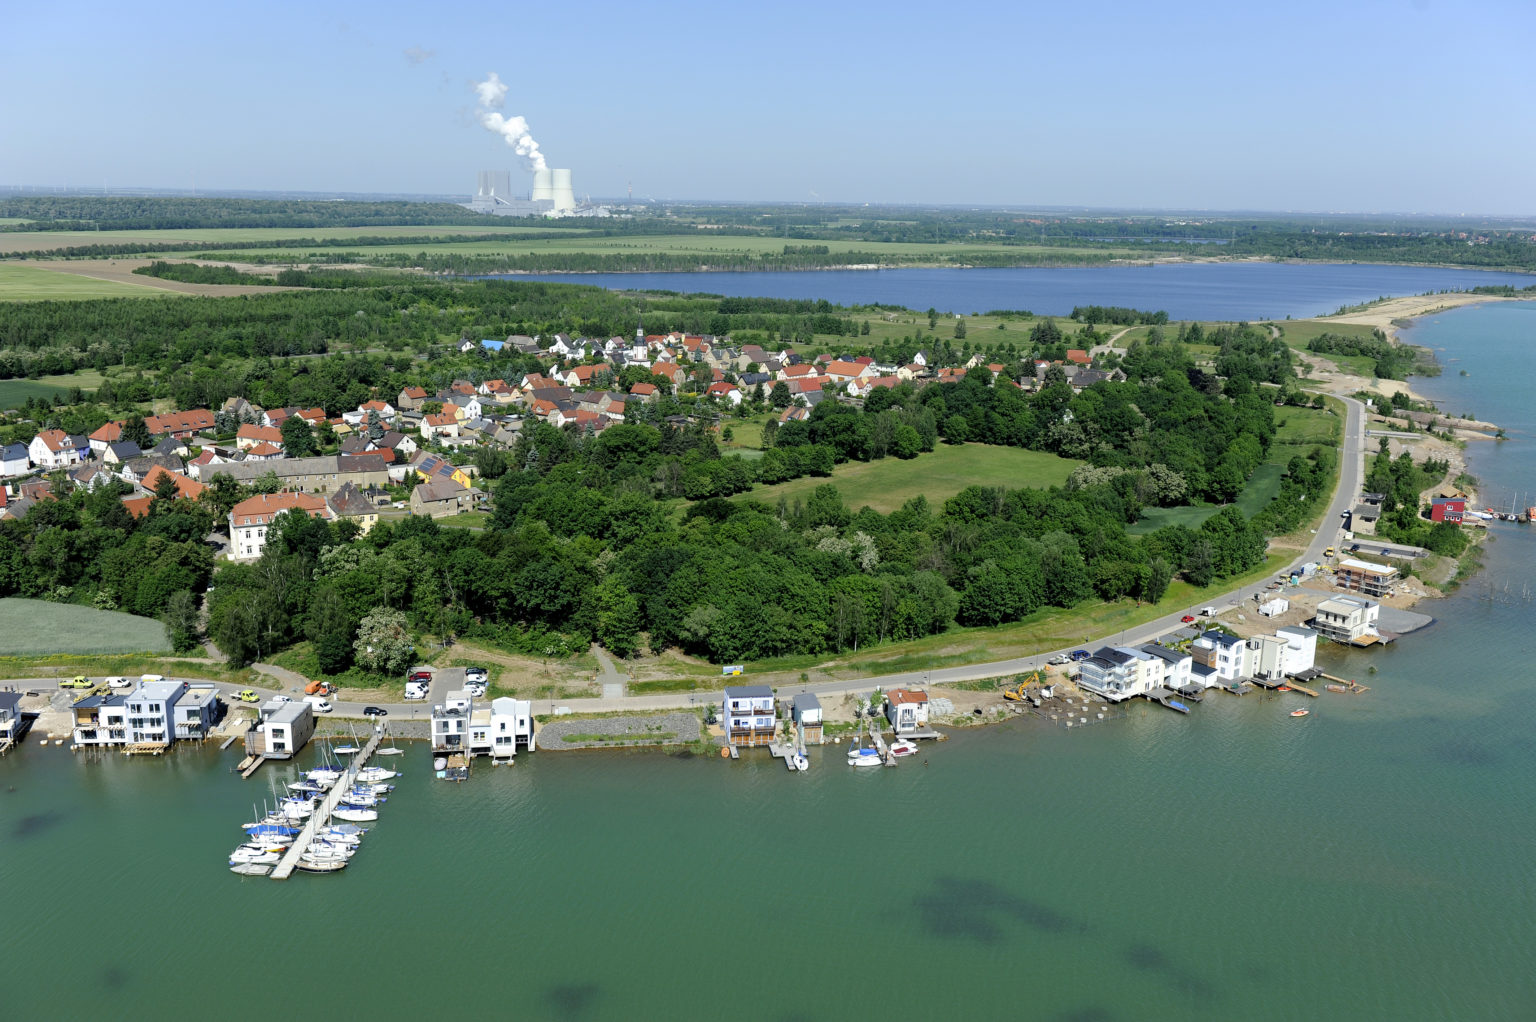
{"type": "Point", "coordinates": [1020, 692]}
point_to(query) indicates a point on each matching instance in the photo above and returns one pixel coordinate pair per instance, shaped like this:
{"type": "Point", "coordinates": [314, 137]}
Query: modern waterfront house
{"type": "Point", "coordinates": [1121, 672]}
{"type": "Point", "coordinates": [1226, 655]}
{"type": "Point", "coordinates": [806, 711]}
{"type": "Point", "coordinates": [1365, 577]}
{"type": "Point", "coordinates": [1348, 619]}
{"type": "Point", "coordinates": [150, 710]}
{"type": "Point", "coordinates": [749, 715]}
{"type": "Point", "coordinates": [10, 717]}
{"type": "Point", "coordinates": [283, 729]}
{"type": "Point", "coordinates": [450, 723]}
{"type": "Point", "coordinates": [101, 720]}
{"type": "Point", "coordinates": [196, 712]}
{"type": "Point", "coordinates": [1176, 666]}
{"type": "Point", "coordinates": [511, 726]}
{"type": "Point", "coordinates": [907, 710]}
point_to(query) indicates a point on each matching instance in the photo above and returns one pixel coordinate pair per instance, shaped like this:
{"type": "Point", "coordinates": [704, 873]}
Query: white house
{"type": "Point", "coordinates": [53, 448]}
{"type": "Point", "coordinates": [749, 715]}
{"type": "Point", "coordinates": [1300, 648]}
{"type": "Point", "coordinates": [250, 519]}
{"type": "Point", "coordinates": [150, 709]}
{"type": "Point", "coordinates": [906, 709]}
{"type": "Point", "coordinates": [10, 717]}
{"type": "Point", "coordinates": [1225, 654]}
{"type": "Point", "coordinates": [196, 712]}
{"type": "Point", "coordinates": [450, 722]}
{"type": "Point", "coordinates": [1109, 673]}
{"type": "Point", "coordinates": [284, 728]}
{"type": "Point", "coordinates": [1350, 619]}
{"type": "Point", "coordinates": [805, 708]}
{"type": "Point", "coordinates": [15, 460]}
{"type": "Point", "coordinates": [1176, 665]}
{"type": "Point", "coordinates": [101, 720]}
{"type": "Point", "coordinates": [511, 726]}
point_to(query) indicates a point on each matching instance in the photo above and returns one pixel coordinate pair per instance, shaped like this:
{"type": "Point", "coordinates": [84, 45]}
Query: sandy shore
{"type": "Point", "coordinates": [1388, 314]}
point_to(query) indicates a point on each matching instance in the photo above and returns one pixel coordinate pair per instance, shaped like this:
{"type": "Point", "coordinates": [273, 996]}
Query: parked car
{"type": "Point", "coordinates": [476, 675]}
{"type": "Point", "coordinates": [475, 689]}
{"type": "Point", "coordinates": [118, 681]}
{"type": "Point", "coordinates": [80, 681]}
{"type": "Point", "coordinates": [422, 676]}
{"type": "Point", "coordinates": [246, 695]}
{"type": "Point", "coordinates": [375, 711]}
{"type": "Point", "coordinates": [318, 704]}
{"type": "Point", "coordinates": [281, 699]}
{"type": "Point", "coordinates": [1060, 658]}
{"type": "Point", "coordinates": [1080, 654]}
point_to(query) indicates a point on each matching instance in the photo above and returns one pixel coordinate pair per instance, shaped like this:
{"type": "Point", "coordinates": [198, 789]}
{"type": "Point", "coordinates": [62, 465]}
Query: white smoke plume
{"type": "Point", "coordinates": [492, 93]}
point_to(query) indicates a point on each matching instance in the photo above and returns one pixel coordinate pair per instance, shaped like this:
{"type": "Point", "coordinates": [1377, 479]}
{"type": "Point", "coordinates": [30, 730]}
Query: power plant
{"type": "Point", "coordinates": [552, 195]}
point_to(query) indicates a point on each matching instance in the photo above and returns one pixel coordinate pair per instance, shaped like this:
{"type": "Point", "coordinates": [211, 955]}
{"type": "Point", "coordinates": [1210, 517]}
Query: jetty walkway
{"type": "Point", "coordinates": [322, 815]}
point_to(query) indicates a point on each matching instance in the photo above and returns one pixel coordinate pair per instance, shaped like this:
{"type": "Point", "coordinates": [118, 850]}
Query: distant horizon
{"type": "Point", "coordinates": [17, 191]}
{"type": "Point", "coordinates": [1196, 105]}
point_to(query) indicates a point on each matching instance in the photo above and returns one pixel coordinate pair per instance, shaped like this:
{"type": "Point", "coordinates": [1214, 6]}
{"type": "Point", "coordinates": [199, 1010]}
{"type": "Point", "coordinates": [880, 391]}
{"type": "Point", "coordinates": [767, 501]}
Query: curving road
{"type": "Point", "coordinates": [1351, 475]}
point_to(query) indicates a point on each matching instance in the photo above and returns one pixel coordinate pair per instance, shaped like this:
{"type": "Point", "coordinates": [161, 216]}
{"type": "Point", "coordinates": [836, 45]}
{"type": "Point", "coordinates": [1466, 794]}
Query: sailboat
{"type": "Point", "coordinates": [251, 869]}
{"type": "Point", "coordinates": [372, 775]}
{"type": "Point", "coordinates": [391, 750]}
{"type": "Point", "coordinates": [355, 814]}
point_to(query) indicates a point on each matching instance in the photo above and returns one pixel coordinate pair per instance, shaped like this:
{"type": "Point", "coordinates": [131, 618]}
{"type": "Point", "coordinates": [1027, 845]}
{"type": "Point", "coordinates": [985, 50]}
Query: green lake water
{"type": "Point", "coordinates": [1371, 861]}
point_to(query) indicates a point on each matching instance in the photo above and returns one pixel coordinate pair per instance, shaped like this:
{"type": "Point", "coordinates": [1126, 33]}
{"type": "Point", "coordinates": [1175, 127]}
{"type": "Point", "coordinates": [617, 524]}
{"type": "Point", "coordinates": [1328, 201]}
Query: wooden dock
{"type": "Point", "coordinates": [322, 815]}
{"type": "Point", "coordinates": [250, 765]}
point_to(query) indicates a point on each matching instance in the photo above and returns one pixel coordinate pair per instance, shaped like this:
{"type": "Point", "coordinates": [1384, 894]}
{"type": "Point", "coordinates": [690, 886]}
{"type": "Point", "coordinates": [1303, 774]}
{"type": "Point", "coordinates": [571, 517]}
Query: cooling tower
{"type": "Point", "coordinates": [560, 191]}
{"type": "Point", "coordinates": [542, 187]}
{"type": "Point", "coordinates": [494, 184]}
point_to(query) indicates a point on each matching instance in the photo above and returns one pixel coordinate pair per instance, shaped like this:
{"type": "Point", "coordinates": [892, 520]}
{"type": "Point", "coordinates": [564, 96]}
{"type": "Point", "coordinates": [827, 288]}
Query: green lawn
{"type": "Point", "coordinates": [35, 627]}
{"type": "Point", "coordinates": [22, 283]}
{"type": "Point", "coordinates": [887, 484]}
{"type": "Point", "coordinates": [467, 520]}
{"type": "Point", "coordinates": [15, 392]}
{"type": "Point", "coordinates": [1306, 426]}
{"type": "Point", "coordinates": [30, 241]}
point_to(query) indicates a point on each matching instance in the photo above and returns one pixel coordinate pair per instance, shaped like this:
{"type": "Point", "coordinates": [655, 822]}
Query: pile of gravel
{"type": "Point", "coordinates": [660, 729]}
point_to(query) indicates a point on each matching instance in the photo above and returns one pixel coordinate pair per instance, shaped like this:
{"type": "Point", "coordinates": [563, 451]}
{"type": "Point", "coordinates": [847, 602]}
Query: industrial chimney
{"type": "Point", "coordinates": [560, 191]}
{"type": "Point", "coordinates": [542, 188]}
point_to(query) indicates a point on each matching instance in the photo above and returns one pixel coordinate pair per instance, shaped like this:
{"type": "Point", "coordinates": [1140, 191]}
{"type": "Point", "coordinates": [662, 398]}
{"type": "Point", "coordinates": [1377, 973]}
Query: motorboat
{"type": "Point", "coordinates": [251, 853]}
{"type": "Point", "coordinates": [903, 747]}
{"type": "Point", "coordinates": [374, 774]}
{"type": "Point", "coordinates": [440, 763]}
{"type": "Point", "coordinates": [355, 814]}
{"type": "Point", "coordinates": [251, 869]}
{"type": "Point", "coordinates": [321, 865]}
{"type": "Point", "coordinates": [863, 757]}
{"type": "Point", "coordinates": [1300, 713]}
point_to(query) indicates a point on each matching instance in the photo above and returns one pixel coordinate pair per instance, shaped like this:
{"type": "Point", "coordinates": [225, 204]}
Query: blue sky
{"type": "Point", "coordinates": [1376, 105]}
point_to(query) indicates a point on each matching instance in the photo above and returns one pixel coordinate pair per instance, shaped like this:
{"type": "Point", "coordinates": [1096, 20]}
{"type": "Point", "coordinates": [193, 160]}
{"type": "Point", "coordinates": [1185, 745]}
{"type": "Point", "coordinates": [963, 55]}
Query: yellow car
{"type": "Point", "coordinates": [246, 695]}
{"type": "Point", "coordinates": [80, 681]}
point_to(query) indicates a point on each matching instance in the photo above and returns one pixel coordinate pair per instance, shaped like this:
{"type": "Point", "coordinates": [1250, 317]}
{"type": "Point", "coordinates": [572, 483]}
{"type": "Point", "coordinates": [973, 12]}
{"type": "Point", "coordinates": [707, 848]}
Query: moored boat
{"type": "Point", "coordinates": [251, 853]}
{"type": "Point", "coordinates": [863, 757]}
{"type": "Point", "coordinates": [801, 763]}
{"type": "Point", "coordinates": [1300, 713]}
{"type": "Point", "coordinates": [321, 865]}
{"type": "Point", "coordinates": [903, 747]}
{"type": "Point", "coordinates": [355, 814]}
{"type": "Point", "coordinates": [250, 869]}
{"type": "Point", "coordinates": [374, 774]}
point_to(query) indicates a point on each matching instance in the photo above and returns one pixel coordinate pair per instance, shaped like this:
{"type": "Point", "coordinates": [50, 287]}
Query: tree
{"type": "Point", "coordinates": [779, 396]}
{"type": "Point", "coordinates": [384, 642]}
{"type": "Point", "coordinates": [959, 329]}
{"type": "Point", "coordinates": [1155, 581]}
{"type": "Point", "coordinates": [325, 436]}
{"type": "Point", "coordinates": [770, 433]}
{"type": "Point", "coordinates": [330, 627]}
{"type": "Point", "coordinates": [956, 429]}
{"type": "Point", "coordinates": [375, 425]}
{"type": "Point", "coordinates": [134, 431]}
{"type": "Point", "coordinates": [165, 487]}
{"type": "Point", "coordinates": [618, 617]}
{"type": "Point", "coordinates": [182, 625]}
{"type": "Point", "coordinates": [298, 437]}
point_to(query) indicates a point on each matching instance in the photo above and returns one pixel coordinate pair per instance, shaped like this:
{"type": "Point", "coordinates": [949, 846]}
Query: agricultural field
{"type": "Point", "coordinates": [20, 282]}
{"type": "Point", "coordinates": [29, 241]}
{"type": "Point", "coordinates": [887, 484]}
{"type": "Point", "coordinates": [14, 393]}
{"type": "Point", "coordinates": [37, 627]}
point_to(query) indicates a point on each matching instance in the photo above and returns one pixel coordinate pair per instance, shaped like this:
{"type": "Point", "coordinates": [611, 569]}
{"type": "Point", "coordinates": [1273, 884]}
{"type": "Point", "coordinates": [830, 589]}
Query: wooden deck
{"type": "Point", "coordinates": [322, 817]}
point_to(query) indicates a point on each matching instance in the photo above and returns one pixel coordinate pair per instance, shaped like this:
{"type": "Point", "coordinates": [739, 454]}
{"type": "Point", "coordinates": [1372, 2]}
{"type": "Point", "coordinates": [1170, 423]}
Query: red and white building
{"type": "Point", "coordinates": [250, 519]}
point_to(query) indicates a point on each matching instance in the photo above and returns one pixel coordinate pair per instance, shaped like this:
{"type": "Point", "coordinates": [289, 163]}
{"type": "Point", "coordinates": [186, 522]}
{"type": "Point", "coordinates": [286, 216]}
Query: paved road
{"type": "Point", "coordinates": [1351, 475]}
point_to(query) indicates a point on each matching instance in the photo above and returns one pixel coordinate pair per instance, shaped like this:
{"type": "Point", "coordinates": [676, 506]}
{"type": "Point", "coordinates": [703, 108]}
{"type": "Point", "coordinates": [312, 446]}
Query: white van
{"type": "Point", "coordinates": [117, 681]}
{"type": "Point", "coordinates": [151, 678]}
{"type": "Point", "coordinates": [417, 689]}
{"type": "Point", "coordinates": [318, 704]}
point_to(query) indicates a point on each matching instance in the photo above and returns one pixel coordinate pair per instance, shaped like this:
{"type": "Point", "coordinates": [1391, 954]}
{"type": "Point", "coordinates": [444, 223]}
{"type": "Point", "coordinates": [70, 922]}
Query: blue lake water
{"type": "Point", "coordinates": [1209, 291]}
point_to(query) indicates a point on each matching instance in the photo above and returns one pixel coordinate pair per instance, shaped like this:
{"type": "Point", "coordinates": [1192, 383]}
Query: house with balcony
{"type": "Point", "coordinates": [101, 720]}
{"type": "Point", "coordinates": [1226, 655]}
{"type": "Point", "coordinates": [151, 710]}
{"type": "Point", "coordinates": [450, 723]}
{"type": "Point", "coordinates": [1177, 665]}
{"type": "Point", "coordinates": [805, 709]}
{"type": "Point", "coordinates": [197, 711]}
{"type": "Point", "coordinates": [10, 718]}
{"type": "Point", "coordinates": [749, 715]}
{"type": "Point", "coordinates": [284, 728]}
{"type": "Point", "coordinates": [1348, 619]}
{"type": "Point", "coordinates": [907, 710]}
{"type": "Point", "coordinates": [511, 727]}
{"type": "Point", "coordinates": [1365, 577]}
{"type": "Point", "coordinates": [1120, 672]}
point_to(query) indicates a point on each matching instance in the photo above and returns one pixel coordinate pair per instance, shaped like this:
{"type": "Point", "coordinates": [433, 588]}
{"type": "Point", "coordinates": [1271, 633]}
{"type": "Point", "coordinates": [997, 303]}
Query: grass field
{"type": "Point", "coordinates": [14, 392]}
{"type": "Point", "coordinates": [48, 240]}
{"type": "Point", "coordinates": [887, 484]}
{"type": "Point", "coordinates": [22, 283]}
{"type": "Point", "coordinates": [1297, 332]}
{"type": "Point", "coordinates": [34, 627]}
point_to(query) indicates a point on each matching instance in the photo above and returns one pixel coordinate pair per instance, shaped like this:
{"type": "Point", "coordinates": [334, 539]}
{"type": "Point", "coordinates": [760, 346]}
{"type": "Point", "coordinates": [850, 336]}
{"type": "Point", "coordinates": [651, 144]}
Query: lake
{"type": "Point", "coordinates": [1371, 861]}
{"type": "Point", "coordinates": [1246, 291]}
